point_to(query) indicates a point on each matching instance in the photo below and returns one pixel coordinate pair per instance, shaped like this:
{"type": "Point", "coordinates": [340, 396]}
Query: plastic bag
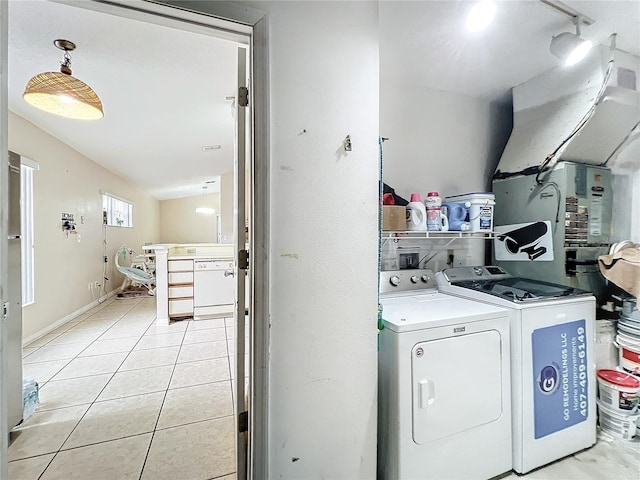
{"type": "Point", "coordinates": [30, 398]}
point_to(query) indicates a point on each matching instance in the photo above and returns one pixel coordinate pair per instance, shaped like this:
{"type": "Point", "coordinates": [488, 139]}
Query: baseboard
{"type": "Point", "coordinates": [65, 319]}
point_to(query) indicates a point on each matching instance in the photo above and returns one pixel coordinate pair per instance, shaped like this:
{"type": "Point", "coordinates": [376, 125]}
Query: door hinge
{"type": "Point", "coordinates": [5, 310]}
{"type": "Point", "coordinates": [243, 259]}
{"type": "Point", "coordinates": [243, 422]}
{"type": "Point", "coordinates": [243, 96]}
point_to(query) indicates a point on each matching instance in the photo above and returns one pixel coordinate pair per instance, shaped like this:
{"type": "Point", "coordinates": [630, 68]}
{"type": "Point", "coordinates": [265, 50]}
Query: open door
{"type": "Point", "coordinates": [241, 238]}
{"type": "Point", "coordinates": [4, 209]}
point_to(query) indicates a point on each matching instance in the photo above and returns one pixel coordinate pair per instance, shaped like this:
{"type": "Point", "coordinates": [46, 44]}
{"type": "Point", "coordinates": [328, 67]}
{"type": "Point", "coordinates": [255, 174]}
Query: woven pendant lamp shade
{"type": "Point", "coordinates": [64, 95]}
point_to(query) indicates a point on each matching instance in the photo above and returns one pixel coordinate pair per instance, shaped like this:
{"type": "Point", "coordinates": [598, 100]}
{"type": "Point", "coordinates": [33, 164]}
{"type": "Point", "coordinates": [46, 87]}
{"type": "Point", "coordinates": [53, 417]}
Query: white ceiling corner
{"type": "Point", "coordinates": [164, 89]}
{"type": "Point", "coordinates": [426, 43]}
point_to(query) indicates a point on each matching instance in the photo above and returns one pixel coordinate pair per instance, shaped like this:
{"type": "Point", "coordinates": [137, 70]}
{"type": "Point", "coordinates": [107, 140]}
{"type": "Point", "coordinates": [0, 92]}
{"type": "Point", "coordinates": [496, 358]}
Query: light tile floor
{"type": "Point", "coordinates": [609, 459]}
{"type": "Point", "coordinates": [122, 398]}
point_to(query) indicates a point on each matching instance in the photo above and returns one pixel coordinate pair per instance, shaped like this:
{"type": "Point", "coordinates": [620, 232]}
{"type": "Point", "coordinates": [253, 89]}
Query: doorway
{"type": "Point", "coordinates": [165, 15]}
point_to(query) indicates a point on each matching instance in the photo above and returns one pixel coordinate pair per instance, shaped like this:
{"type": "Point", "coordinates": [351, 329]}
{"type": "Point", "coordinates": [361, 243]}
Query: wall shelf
{"type": "Point", "coordinates": [413, 234]}
{"type": "Point", "coordinates": [438, 242]}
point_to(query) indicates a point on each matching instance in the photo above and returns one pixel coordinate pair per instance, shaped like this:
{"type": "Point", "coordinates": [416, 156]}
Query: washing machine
{"type": "Point", "coordinates": [552, 360]}
{"type": "Point", "coordinates": [444, 407]}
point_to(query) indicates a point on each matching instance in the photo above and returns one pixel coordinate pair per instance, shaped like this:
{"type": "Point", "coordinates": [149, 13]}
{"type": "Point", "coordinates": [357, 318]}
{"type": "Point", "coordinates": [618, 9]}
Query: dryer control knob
{"type": "Point", "coordinates": [478, 270]}
{"type": "Point", "coordinates": [414, 279]}
{"type": "Point", "coordinates": [395, 280]}
{"type": "Point", "coordinates": [425, 278]}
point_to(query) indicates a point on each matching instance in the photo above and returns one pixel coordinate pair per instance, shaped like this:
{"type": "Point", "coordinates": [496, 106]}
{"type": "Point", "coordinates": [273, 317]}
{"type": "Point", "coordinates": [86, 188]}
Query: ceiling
{"type": "Point", "coordinates": [426, 43]}
{"type": "Point", "coordinates": [163, 92]}
{"type": "Point", "coordinates": [164, 89]}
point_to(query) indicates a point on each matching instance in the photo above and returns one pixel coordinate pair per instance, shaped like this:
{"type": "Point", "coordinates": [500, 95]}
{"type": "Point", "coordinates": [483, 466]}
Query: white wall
{"type": "Point", "coordinates": [440, 141]}
{"type": "Point", "coordinates": [626, 206]}
{"type": "Point", "coordinates": [179, 222]}
{"type": "Point", "coordinates": [634, 234]}
{"type": "Point", "coordinates": [323, 397]}
{"type": "Point", "coordinates": [226, 200]}
{"type": "Point", "coordinates": [69, 182]}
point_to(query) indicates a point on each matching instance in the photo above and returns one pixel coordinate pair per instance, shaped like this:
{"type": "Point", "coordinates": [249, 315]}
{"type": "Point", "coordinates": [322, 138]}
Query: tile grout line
{"type": "Point", "coordinates": [221, 476]}
{"type": "Point", "coordinates": [121, 319]}
{"type": "Point", "coordinates": [63, 359]}
{"type": "Point", "coordinates": [56, 336]}
{"type": "Point", "coordinates": [121, 438]}
{"type": "Point", "coordinates": [229, 355]}
{"type": "Point", "coordinates": [90, 343]}
{"type": "Point", "coordinates": [70, 360]}
{"type": "Point", "coordinates": [195, 422]}
{"type": "Point", "coordinates": [65, 331]}
{"type": "Point", "coordinates": [134, 394]}
{"type": "Point", "coordinates": [48, 464]}
{"type": "Point", "coordinates": [153, 433]}
{"type": "Point", "coordinates": [77, 356]}
{"type": "Point", "coordinates": [90, 405]}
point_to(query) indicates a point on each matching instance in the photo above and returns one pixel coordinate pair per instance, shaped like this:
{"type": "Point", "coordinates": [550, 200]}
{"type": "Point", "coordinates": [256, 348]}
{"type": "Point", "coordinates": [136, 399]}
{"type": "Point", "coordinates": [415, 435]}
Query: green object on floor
{"type": "Point", "coordinates": [380, 324]}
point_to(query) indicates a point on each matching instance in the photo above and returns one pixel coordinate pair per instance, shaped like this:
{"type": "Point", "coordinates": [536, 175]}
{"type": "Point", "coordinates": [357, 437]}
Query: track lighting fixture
{"type": "Point", "coordinates": [570, 47]}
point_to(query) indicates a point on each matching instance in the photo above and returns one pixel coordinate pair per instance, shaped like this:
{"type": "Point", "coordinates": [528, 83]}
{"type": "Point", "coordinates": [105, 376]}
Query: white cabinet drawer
{"type": "Point", "coordinates": [181, 307]}
{"type": "Point", "coordinates": [180, 292]}
{"type": "Point", "coordinates": [180, 277]}
{"type": "Point", "coordinates": [181, 265]}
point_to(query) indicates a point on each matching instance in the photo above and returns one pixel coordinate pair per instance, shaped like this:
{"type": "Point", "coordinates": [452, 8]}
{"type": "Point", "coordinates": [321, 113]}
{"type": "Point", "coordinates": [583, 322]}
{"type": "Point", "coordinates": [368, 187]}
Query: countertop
{"type": "Point", "coordinates": [186, 251]}
{"type": "Point", "coordinates": [202, 256]}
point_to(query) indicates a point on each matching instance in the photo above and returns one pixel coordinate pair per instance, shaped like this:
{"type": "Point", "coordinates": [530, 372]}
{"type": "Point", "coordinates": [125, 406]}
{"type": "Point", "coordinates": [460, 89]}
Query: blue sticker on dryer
{"type": "Point", "coordinates": [560, 377]}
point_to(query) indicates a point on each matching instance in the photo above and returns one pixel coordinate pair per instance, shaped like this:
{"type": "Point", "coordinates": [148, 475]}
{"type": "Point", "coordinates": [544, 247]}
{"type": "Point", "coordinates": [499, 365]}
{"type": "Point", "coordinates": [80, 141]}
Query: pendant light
{"type": "Point", "coordinates": [62, 94]}
{"type": "Point", "coordinates": [205, 210]}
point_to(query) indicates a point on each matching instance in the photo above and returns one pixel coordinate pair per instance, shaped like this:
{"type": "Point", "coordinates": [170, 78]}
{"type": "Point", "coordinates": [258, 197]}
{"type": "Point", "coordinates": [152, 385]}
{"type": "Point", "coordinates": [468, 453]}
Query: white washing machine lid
{"type": "Point", "coordinates": [409, 313]}
{"type": "Point", "coordinates": [479, 296]}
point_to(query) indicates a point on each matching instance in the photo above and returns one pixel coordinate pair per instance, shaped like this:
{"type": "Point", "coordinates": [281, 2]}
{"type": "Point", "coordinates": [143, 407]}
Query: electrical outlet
{"type": "Point", "coordinates": [450, 257]}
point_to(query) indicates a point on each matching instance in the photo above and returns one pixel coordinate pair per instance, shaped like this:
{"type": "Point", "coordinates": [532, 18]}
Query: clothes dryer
{"type": "Point", "coordinates": [552, 360]}
{"type": "Point", "coordinates": [444, 383]}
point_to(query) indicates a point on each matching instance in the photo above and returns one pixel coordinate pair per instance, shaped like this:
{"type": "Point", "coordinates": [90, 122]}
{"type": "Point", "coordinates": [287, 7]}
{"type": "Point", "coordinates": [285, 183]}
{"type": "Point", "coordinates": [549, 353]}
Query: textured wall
{"type": "Point", "coordinates": [179, 222]}
{"type": "Point", "coordinates": [69, 182]}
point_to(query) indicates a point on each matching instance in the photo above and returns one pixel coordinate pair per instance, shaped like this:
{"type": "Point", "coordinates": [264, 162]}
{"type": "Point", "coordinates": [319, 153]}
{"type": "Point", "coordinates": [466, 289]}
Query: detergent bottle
{"type": "Point", "coordinates": [416, 214]}
{"type": "Point", "coordinates": [436, 220]}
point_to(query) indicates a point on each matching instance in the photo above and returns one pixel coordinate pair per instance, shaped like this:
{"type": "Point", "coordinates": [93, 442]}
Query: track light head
{"type": "Point", "coordinates": [569, 48]}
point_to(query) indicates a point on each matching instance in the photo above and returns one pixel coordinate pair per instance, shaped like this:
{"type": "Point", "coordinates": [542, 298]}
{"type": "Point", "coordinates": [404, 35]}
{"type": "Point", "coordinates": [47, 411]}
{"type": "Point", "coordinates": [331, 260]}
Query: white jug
{"type": "Point", "coordinates": [416, 216]}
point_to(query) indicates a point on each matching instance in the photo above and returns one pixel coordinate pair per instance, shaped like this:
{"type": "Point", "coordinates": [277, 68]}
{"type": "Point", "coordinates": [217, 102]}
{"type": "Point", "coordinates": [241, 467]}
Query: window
{"type": "Point", "coordinates": [116, 212]}
{"type": "Point", "coordinates": [26, 227]}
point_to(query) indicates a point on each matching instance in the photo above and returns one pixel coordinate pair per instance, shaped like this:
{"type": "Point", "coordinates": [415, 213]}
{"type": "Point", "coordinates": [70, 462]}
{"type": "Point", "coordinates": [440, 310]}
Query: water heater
{"type": "Point", "coordinates": [577, 201]}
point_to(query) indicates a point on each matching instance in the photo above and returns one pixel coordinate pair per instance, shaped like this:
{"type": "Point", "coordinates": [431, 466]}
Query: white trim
{"type": "Point", "coordinates": [260, 245]}
{"type": "Point", "coordinates": [27, 162]}
{"type": "Point", "coordinates": [27, 230]}
{"type": "Point", "coordinates": [172, 15]}
{"type": "Point", "coordinates": [65, 319]}
{"type": "Point", "coordinates": [4, 210]}
{"type": "Point", "coordinates": [122, 199]}
{"type": "Point", "coordinates": [240, 15]}
{"type": "Point", "coordinates": [239, 211]}
{"type": "Point", "coordinates": [250, 26]}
